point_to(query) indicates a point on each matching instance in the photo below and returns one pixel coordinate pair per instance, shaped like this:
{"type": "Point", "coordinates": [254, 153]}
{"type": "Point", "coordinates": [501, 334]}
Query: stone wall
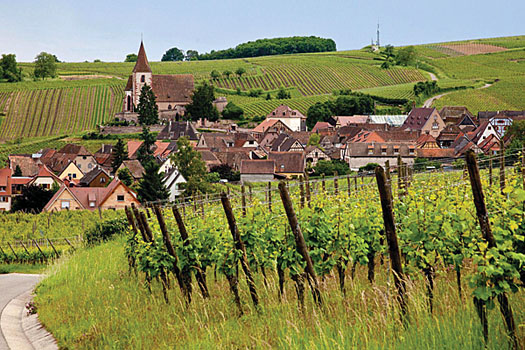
{"type": "Point", "coordinates": [109, 130]}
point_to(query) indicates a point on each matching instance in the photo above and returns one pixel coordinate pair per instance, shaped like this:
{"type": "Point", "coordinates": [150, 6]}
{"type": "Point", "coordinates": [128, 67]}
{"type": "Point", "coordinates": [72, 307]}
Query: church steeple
{"type": "Point", "coordinates": [142, 65]}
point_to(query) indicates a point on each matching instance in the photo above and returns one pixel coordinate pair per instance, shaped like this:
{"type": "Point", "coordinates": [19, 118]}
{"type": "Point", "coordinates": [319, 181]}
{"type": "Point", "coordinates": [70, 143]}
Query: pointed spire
{"type": "Point", "coordinates": [142, 64]}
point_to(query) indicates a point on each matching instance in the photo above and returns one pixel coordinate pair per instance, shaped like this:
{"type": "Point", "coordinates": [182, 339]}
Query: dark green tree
{"type": "Point", "coordinates": [215, 75]}
{"type": "Point", "coordinates": [233, 112]}
{"type": "Point", "coordinates": [147, 107]}
{"type": "Point", "coordinates": [517, 131]}
{"type": "Point", "coordinates": [45, 66]}
{"type": "Point", "coordinates": [151, 186]}
{"type": "Point", "coordinates": [191, 55]}
{"type": "Point", "coordinates": [406, 56]}
{"type": "Point", "coordinates": [240, 71]}
{"type": "Point", "coordinates": [173, 54]}
{"type": "Point", "coordinates": [119, 155]}
{"type": "Point", "coordinates": [330, 167]}
{"type": "Point", "coordinates": [318, 112]}
{"type": "Point", "coordinates": [125, 176]}
{"type": "Point", "coordinates": [225, 171]}
{"type": "Point", "coordinates": [32, 200]}
{"type": "Point", "coordinates": [283, 94]}
{"type": "Point", "coordinates": [227, 73]}
{"type": "Point", "coordinates": [201, 105]}
{"type": "Point", "coordinates": [145, 151]}
{"type": "Point", "coordinates": [268, 97]}
{"type": "Point", "coordinates": [190, 164]}
{"type": "Point", "coordinates": [9, 69]}
{"type": "Point", "coordinates": [314, 139]}
{"type": "Point", "coordinates": [18, 171]}
{"type": "Point", "coordinates": [132, 57]}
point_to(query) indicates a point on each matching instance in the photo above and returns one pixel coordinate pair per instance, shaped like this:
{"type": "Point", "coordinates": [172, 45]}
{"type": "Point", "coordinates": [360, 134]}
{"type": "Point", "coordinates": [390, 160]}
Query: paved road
{"type": "Point", "coordinates": [11, 286]}
{"type": "Point", "coordinates": [428, 103]}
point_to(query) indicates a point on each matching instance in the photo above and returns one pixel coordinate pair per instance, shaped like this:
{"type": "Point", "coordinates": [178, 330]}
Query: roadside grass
{"type": "Point", "coordinates": [22, 268]}
{"type": "Point", "coordinates": [90, 301]}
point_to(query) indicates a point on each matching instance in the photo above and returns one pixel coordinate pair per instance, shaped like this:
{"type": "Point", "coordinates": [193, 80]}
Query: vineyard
{"type": "Point", "coordinates": [58, 111]}
{"type": "Point", "coordinates": [396, 268]}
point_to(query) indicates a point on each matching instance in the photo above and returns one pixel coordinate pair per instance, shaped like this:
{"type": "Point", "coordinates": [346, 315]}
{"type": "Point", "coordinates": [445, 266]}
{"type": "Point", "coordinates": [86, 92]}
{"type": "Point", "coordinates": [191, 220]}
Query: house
{"type": "Point", "coordinates": [292, 118]}
{"type": "Point", "coordinates": [5, 189]}
{"type": "Point", "coordinates": [79, 154]}
{"type": "Point", "coordinates": [45, 178]}
{"type": "Point", "coordinates": [314, 154]}
{"type": "Point", "coordinates": [286, 143]}
{"type": "Point", "coordinates": [216, 141]}
{"type": "Point", "coordinates": [172, 181]}
{"type": "Point", "coordinates": [28, 163]}
{"type": "Point", "coordinates": [71, 172]}
{"type": "Point", "coordinates": [457, 115]}
{"type": "Point", "coordinates": [448, 135]}
{"type": "Point", "coordinates": [115, 196]}
{"type": "Point", "coordinates": [500, 120]}
{"type": "Point", "coordinates": [175, 130]}
{"type": "Point", "coordinates": [359, 154]}
{"type": "Point", "coordinates": [272, 126]}
{"type": "Point", "coordinates": [159, 148]}
{"type": "Point", "coordinates": [288, 164]}
{"type": "Point", "coordinates": [257, 170]}
{"type": "Point", "coordinates": [355, 120]}
{"type": "Point", "coordinates": [484, 130]}
{"type": "Point", "coordinates": [425, 120]}
{"type": "Point", "coordinates": [427, 141]}
{"type": "Point", "coordinates": [491, 145]}
{"type": "Point", "coordinates": [135, 168]}
{"type": "Point", "coordinates": [209, 158]}
{"type": "Point", "coordinates": [97, 177]}
{"type": "Point", "coordinates": [172, 92]}
{"type": "Point", "coordinates": [322, 126]}
{"type": "Point", "coordinates": [104, 157]}
{"type": "Point", "coordinates": [441, 154]}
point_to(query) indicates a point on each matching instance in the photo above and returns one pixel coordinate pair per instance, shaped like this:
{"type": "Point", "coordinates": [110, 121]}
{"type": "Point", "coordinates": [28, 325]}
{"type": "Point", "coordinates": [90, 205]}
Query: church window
{"type": "Point", "coordinates": [142, 78]}
{"type": "Point", "coordinates": [169, 106]}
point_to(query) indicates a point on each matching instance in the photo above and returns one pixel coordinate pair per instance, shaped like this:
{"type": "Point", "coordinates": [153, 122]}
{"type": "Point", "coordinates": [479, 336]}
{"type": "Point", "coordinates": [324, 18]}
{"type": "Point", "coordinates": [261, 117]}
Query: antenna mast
{"type": "Point", "coordinates": [378, 34]}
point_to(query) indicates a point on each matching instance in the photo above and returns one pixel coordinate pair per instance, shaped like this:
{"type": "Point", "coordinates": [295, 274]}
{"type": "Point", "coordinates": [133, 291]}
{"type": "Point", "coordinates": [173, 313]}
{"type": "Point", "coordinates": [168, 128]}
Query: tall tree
{"type": "Point", "coordinates": [45, 66]}
{"type": "Point", "coordinates": [190, 164]}
{"type": "Point", "coordinates": [125, 176]}
{"type": "Point", "coordinates": [406, 56]}
{"type": "Point", "coordinates": [119, 155]}
{"type": "Point", "coordinates": [151, 186]}
{"type": "Point", "coordinates": [233, 112]}
{"type": "Point", "coordinates": [173, 54]}
{"type": "Point", "coordinates": [145, 152]}
{"type": "Point", "coordinates": [201, 105]}
{"type": "Point", "coordinates": [147, 107]}
{"type": "Point", "coordinates": [18, 171]}
{"type": "Point", "coordinates": [191, 55]}
{"type": "Point", "coordinates": [32, 200]}
{"type": "Point", "coordinates": [132, 57]}
{"type": "Point", "coordinates": [283, 94]}
{"type": "Point", "coordinates": [9, 69]}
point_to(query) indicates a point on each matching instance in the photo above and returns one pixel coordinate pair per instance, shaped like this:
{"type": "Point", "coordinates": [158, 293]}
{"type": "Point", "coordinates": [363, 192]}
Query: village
{"type": "Point", "coordinates": [280, 147]}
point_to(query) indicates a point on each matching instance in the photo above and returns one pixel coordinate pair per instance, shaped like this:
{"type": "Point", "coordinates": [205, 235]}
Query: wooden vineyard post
{"type": "Point", "coordinates": [399, 176]}
{"type": "Point", "coordinates": [486, 231]}
{"type": "Point", "coordinates": [54, 249]}
{"type": "Point", "coordinates": [200, 275]}
{"type": "Point", "coordinates": [308, 191]}
{"type": "Point", "coordinates": [385, 195]}
{"type": "Point", "coordinates": [3, 254]}
{"type": "Point", "coordinates": [301, 187]}
{"type": "Point", "coordinates": [71, 245]}
{"type": "Point", "coordinates": [139, 222]}
{"type": "Point", "coordinates": [250, 193]}
{"type": "Point", "coordinates": [240, 246]}
{"type": "Point", "coordinates": [323, 182]}
{"type": "Point", "coordinates": [11, 247]}
{"type": "Point", "coordinates": [348, 186]}
{"type": "Point", "coordinates": [270, 196]}
{"type": "Point", "coordinates": [490, 172]}
{"type": "Point", "coordinates": [355, 182]}
{"type": "Point", "coordinates": [502, 166]}
{"type": "Point", "coordinates": [300, 242]}
{"type": "Point", "coordinates": [387, 169]}
{"type": "Point", "coordinates": [243, 201]}
{"type": "Point", "coordinates": [40, 250]}
{"type": "Point", "coordinates": [336, 183]}
{"type": "Point", "coordinates": [23, 245]}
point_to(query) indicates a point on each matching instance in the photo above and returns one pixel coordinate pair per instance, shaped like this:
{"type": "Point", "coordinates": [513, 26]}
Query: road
{"type": "Point", "coordinates": [11, 286]}
{"type": "Point", "coordinates": [428, 103]}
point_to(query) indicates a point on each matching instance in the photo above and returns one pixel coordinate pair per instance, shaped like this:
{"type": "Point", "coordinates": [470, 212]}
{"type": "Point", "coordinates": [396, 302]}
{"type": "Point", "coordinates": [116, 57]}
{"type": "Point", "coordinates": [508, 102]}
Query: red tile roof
{"type": "Point", "coordinates": [284, 111]}
{"type": "Point", "coordinates": [417, 118]}
{"type": "Point", "coordinates": [173, 88]}
{"type": "Point", "coordinates": [288, 162]}
{"type": "Point", "coordinates": [249, 166]}
{"type": "Point", "coordinates": [142, 64]}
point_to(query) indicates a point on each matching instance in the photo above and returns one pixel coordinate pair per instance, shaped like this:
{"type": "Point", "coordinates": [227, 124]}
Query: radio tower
{"type": "Point", "coordinates": [378, 35]}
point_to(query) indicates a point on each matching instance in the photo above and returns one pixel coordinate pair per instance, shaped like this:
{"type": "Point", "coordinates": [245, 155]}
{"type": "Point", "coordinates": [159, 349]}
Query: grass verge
{"type": "Point", "coordinates": [22, 268]}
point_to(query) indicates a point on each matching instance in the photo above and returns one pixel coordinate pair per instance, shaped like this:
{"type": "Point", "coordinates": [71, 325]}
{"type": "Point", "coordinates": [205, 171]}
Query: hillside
{"type": "Point", "coordinates": [60, 106]}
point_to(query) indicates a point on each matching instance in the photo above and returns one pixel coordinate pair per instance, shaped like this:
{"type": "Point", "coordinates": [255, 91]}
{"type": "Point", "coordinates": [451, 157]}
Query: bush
{"type": "Point", "coordinates": [105, 230]}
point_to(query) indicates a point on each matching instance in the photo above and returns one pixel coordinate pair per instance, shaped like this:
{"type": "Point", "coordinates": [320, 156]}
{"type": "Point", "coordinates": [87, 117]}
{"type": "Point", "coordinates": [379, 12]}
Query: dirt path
{"type": "Point", "coordinates": [428, 103]}
{"type": "Point", "coordinates": [433, 76]}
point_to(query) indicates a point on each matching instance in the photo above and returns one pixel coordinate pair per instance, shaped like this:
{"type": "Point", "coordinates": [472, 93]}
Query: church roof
{"type": "Point", "coordinates": [173, 88]}
{"type": "Point", "coordinates": [142, 64]}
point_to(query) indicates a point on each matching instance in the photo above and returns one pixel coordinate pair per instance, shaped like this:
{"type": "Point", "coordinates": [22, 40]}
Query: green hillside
{"type": "Point", "coordinates": [60, 107]}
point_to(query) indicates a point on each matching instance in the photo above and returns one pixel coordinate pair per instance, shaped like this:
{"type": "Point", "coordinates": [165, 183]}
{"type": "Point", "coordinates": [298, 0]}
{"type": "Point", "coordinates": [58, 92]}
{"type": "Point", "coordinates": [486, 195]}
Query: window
{"type": "Point", "coordinates": [79, 166]}
{"type": "Point", "coordinates": [2, 188]}
{"type": "Point", "coordinates": [383, 151]}
{"type": "Point", "coordinates": [370, 151]}
{"type": "Point", "coordinates": [84, 157]}
{"type": "Point", "coordinates": [92, 204]}
{"type": "Point", "coordinates": [64, 205]}
{"type": "Point", "coordinates": [102, 180]}
{"type": "Point", "coordinates": [142, 78]}
{"type": "Point", "coordinates": [90, 166]}
{"type": "Point", "coordinates": [169, 106]}
{"type": "Point", "coordinates": [435, 126]}
{"type": "Point", "coordinates": [3, 199]}
{"type": "Point", "coordinates": [411, 151]}
{"type": "Point", "coordinates": [396, 150]}
{"type": "Point", "coordinates": [120, 198]}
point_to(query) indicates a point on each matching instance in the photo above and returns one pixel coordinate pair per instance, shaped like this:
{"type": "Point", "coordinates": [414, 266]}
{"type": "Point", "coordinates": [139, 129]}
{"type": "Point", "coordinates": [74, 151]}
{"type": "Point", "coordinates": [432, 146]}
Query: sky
{"type": "Point", "coordinates": [108, 30]}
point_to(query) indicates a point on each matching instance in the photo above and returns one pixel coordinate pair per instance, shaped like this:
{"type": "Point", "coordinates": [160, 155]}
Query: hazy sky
{"type": "Point", "coordinates": [109, 29]}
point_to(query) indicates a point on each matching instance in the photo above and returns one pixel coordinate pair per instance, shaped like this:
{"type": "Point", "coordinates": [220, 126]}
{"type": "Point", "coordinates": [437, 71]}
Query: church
{"type": "Point", "coordinates": [172, 92]}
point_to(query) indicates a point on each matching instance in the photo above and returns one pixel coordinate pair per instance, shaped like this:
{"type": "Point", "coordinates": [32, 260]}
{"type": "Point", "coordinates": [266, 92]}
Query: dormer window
{"type": "Point", "coordinates": [142, 78]}
{"type": "Point", "coordinates": [92, 204]}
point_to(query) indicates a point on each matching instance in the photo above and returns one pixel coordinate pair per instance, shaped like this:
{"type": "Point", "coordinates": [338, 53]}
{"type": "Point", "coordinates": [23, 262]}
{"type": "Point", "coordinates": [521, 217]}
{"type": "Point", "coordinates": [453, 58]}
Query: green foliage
{"type": "Point", "coordinates": [330, 167]}
{"type": "Point", "coordinates": [215, 75]}
{"type": "Point", "coordinates": [147, 107]}
{"type": "Point", "coordinates": [18, 171]}
{"type": "Point", "coordinates": [240, 71]}
{"type": "Point", "coordinates": [119, 155]}
{"type": "Point", "coordinates": [368, 167]}
{"type": "Point", "coordinates": [173, 54]}
{"type": "Point", "coordinates": [191, 55]}
{"type": "Point", "coordinates": [275, 46]}
{"type": "Point", "coordinates": [213, 177]}
{"type": "Point", "coordinates": [9, 69]}
{"type": "Point", "coordinates": [232, 112]}
{"type": "Point", "coordinates": [426, 88]}
{"type": "Point", "coordinates": [226, 172]}
{"type": "Point", "coordinates": [227, 73]}
{"type": "Point", "coordinates": [145, 151]}
{"type": "Point", "coordinates": [106, 230]}
{"type": "Point", "coordinates": [406, 56]}
{"type": "Point", "coordinates": [517, 131]}
{"type": "Point", "coordinates": [314, 139]}
{"type": "Point", "coordinates": [132, 57]}
{"type": "Point", "coordinates": [151, 187]}
{"type": "Point", "coordinates": [201, 105]}
{"type": "Point", "coordinates": [343, 105]}
{"type": "Point", "coordinates": [125, 176]}
{"type": "Point", "coordinates": [283, 94]}
{"type": "Point", "coordinates": [45, 66]}
{"type": "Point", "coordinates": [421, 164]}
{"type": "Point", "coordinates": [32, 200]}
{"type": "Point", "coordinates": [458, 164]}
{"type": "Point", "coordinates": [255, 92]}
{"type": "Point", "coordinates": [190, 164]}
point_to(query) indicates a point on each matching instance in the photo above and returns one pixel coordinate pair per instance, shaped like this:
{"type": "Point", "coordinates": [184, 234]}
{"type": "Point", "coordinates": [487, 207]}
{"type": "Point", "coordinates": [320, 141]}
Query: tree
{"type": "Point", "coordinates": [406, 56]}
{"type": "Point", "coordinates": [132, 57]}
{"type": "Point", "coordinates": [32, 200]}
{"type": "Point", "coordinates": [227, 73]}
{"type": "Point", "coordinates": [9, 69]}
{"type": "Point", "coordinates": [268, 97]}
{"type": "Point", "coordinates": [190, 164]}
{"type": "Point", "coordinates": [125, 176]}
{"type": "Point", "coordinates": [151, 186]}
{"type": "Point", "coordinates": [226, 172]}
{"type": "Point", "coordinates": [319, 112]}
{"type": "Point", "coordinates": [283, 94]}
{"type": "Point", "coordinates": [201, 105]}
{"type": "Point", "coordinates": [147, 108]}
{"type": "Point", "coordinates": [119, 155]}
{"type": "Point", "coordinates": [145, 153]}
{"type": "Point", "coordinates": [191, 55]}
{"type": "Point", "coordinates": [314, 139]}
{"type": "Point", "coordinates": [18, 171]}
{"type": "Point", "coordinates": [240, 71]}
{"type": "Point", "coordinates": [173, 54]}
{"type": "Point", "coordinates": [389, 51]}
{"type": "Point", "coordinates": [330, 167]}
{"type": "Point", "coordinates": [517, 131]}
{"type": "Point", "coordinates": [233, 112]}
{"type": "Point", "coordinates": [215, 75]}
{"type": "Point", "coordinates": [45, 66]}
